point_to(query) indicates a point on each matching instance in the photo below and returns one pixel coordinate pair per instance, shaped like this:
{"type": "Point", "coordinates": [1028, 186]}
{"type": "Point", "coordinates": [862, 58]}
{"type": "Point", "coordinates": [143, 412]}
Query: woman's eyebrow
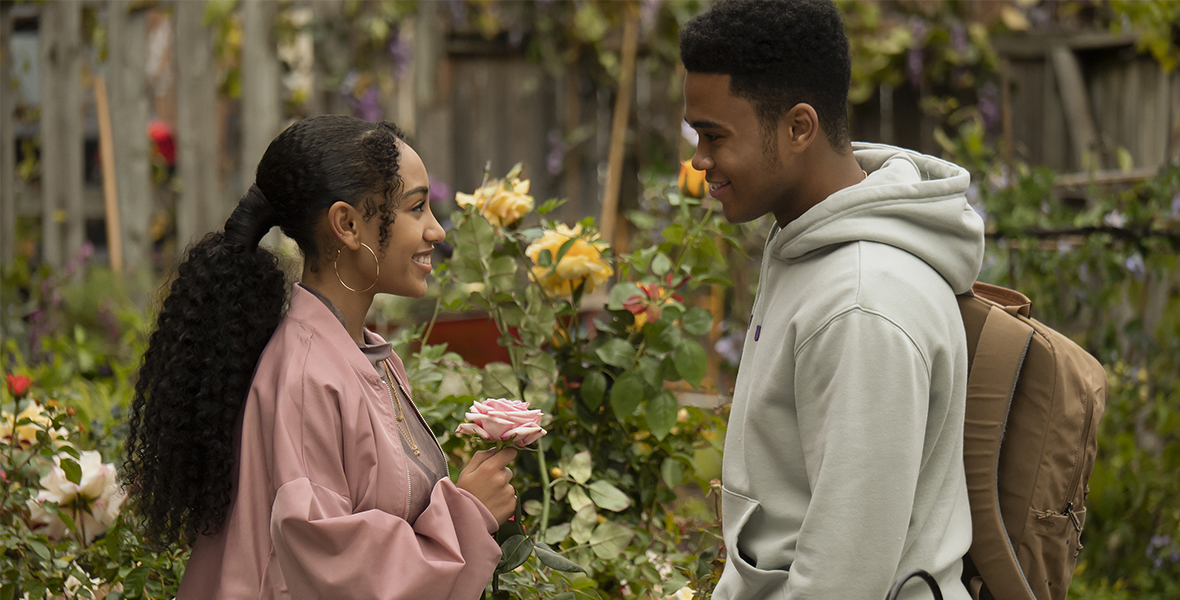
{"type": "Point", "coordinates": [418, 190]}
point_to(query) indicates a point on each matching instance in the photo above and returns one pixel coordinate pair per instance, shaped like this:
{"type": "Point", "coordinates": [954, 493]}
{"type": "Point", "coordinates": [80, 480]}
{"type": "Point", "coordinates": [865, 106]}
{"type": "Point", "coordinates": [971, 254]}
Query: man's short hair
{"type": "Point", "coordinates": [777, 53]}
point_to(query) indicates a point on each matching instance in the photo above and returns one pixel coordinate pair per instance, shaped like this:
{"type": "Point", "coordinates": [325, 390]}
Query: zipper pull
{"type": "Point", "coordinates": [1073, 517]}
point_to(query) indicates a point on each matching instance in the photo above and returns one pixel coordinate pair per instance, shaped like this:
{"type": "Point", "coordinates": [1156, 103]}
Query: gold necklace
{"type": "Point", "coordinates": [403, 427]}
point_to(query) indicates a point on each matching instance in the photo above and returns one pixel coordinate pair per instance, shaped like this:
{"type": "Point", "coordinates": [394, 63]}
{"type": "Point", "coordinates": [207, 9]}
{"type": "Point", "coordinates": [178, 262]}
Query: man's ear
{"type": "Point", "coordinates": [799, 127]}
{"type": "Point", "coordinates": [344, 222]}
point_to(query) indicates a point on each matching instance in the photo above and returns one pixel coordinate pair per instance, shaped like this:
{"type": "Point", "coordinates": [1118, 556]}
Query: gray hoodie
{"type": "Point", "coordinates": [843, 462]}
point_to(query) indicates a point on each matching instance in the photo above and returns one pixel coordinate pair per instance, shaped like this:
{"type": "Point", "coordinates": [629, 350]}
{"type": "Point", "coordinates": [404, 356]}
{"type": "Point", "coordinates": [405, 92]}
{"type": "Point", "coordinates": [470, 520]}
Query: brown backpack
{"type": "Point", "coordinates": [1034, 399]}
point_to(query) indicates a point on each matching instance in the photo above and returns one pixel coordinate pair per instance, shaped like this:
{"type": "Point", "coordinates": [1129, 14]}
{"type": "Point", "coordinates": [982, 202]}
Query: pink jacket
{"type": "Point", "coordinates": [321, 505]}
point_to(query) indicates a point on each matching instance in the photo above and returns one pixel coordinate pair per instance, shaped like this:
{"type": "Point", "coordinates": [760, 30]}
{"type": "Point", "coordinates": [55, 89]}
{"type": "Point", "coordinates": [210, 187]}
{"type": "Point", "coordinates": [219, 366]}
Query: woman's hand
{"type": "Point", "coordinates": [489, 479]}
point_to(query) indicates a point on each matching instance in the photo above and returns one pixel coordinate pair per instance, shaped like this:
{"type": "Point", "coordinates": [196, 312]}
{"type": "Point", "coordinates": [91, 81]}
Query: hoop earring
{"type": "Point", "coordinates": [375, 277]}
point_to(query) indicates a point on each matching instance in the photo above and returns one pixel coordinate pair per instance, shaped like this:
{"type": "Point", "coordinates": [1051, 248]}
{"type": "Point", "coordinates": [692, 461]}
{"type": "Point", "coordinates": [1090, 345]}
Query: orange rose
{"type": "Point", "coordinates": [692, 182]}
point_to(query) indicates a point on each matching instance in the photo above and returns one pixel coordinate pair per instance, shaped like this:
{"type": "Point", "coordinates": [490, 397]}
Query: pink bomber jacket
{"type": "Point", "coordinates": [323, 490]}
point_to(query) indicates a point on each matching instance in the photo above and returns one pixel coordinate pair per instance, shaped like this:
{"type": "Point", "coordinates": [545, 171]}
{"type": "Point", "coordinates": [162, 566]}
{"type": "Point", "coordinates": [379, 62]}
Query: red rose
{"type": "Point", "coordinates": [18, 385]}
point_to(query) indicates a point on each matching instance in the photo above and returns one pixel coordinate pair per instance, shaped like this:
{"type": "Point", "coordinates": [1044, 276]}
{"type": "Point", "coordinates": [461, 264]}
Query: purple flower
{"type": "Point", "coordinates": [730, 346]}
{"type": "Point", "coordinates": [915, 61]}
{"type": "Point", "coordinates": [440, 191]}
{"type": "Point", "coordinates": [368, 106]}
{"type": "Point", "coordinates": [959, 37]}
{"type": "Point", "coordinates": [79, 259]}
{"type": "Point", "coordinates": [458, 11]}
{"type": "Point", "coordinates": [989, 108]}
{"type": "Point", "coordinates": [555, 159]}
{"type": "Point", "coordinates": [402, 54]}
{"type": "Point", "coordinates": [1176, 206]}
{"type": "Point", "coordinates": [1138, 269]}
{"type": "Point", "coordinates": [913, 66]}
{"type": "Point", "coordinates": [648, 12]}
{"type": "Point", "coordinates": [1115, 219]}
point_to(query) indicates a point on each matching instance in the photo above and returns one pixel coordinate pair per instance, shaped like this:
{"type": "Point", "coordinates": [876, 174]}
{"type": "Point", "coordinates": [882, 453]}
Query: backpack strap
{"type": "Point", "coordinates": [1003, 343]}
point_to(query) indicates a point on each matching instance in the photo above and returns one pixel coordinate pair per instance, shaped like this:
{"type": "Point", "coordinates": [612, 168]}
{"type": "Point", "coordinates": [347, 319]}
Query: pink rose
{"type": "Point", "coordinates": [501, 420]}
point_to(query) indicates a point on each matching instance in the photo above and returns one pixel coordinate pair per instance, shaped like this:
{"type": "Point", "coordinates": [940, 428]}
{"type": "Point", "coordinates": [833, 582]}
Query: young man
{"type": "Point", "coordinates": [843, 462]}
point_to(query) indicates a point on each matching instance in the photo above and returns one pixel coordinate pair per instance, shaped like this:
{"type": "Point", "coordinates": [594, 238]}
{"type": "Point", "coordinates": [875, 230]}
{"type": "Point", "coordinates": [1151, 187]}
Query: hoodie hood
{"type": "Point", "coordinates": [911, 201]}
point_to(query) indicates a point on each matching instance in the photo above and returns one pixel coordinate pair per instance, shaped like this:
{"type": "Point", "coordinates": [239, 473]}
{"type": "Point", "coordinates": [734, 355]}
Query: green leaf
{"type": "Point", "coordinates": [626, 394]}
{"type": "Point", "coordinates": [557, 533]}
{"type": "Point", "coordinates": [134, 582]}
{"type": "Point", "coordinates": [610, 539]}
{"type": "Point", "coordinates": [641, 219]}
{"type": "Point", "coordinates": [539, 394]}
{"type": "Point", "coordinates": [608, 496]}
{"type": "Point", "coordinates": [72, 469]}
{"type": "Point", "coordinates": [674, 233]}
{"type": "Point", "coordinates": [697, 321]}
{"type": "Point", "coordinates": [662, 336]}
{"type": "Point", "coordinates": [39, 549]}
{"type": "Point", "coordinates": [672, 471]}
{"type": "Point", "coordinates": [561, 487]}
{"type": "Point", "coordinates": [565, 247]}
{"type": "Point", "coordinates": [545, 258]}
{"type": "Point", "coordinates": [549, 206]}
{"type": "Point", "coordinates": [582, 527]}
{"type": "Point", "coordinates": [511, 528]}
{"type": "Point", "coordinates": [516, 550]}
{"type": "Point", "coordinates": [502, 273]}
{"type": "Point", "coordinates": [620, 294]}
{"type": "Point", "coordinates": [593, 388]}
{"type": "Point", "coordinates": [580, 467]}
{"type": "Point", "coordinates": [690, 361]}
{"type": "Point", "coordinates": [499, 381]}
{"type": "Point", "coordinates": [660, 414]}
{"type": "Point", "coordinates": [617, 353]}
{"type": "Point", "coordinates": [578, 498]}
{"type": "Point", "coordinates": [532, 507]}
{"type": "Point", "coordinates": [662, 264]}
{"type": "Point", "coordinates": [649, 368]}
{"type": "Point", "coordinates": [555, 561]}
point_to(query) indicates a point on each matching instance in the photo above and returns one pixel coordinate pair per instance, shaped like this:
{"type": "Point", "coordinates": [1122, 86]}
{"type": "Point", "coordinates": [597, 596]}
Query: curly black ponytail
{"type": "Point", "coordinates": [221, 310]}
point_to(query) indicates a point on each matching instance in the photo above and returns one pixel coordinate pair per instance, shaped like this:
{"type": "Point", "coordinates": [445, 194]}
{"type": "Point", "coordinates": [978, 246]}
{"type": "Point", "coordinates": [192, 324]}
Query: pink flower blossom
{"type": "Point", "coordinates": [502, 420]}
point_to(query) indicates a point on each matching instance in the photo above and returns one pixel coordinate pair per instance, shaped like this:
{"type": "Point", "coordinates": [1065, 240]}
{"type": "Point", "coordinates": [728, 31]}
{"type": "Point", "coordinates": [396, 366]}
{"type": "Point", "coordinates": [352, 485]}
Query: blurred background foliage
{"type": "Point", "coordinates": [1097, 258]}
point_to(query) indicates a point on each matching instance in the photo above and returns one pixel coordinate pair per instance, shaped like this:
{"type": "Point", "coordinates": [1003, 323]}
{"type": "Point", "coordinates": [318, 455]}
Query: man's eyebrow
{"type": "Point", "coordinates": [418, 190]}
{"type": "Point", "coordinates": [704, 124]}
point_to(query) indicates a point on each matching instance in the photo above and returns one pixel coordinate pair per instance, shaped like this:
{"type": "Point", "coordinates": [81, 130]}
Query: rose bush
{"type": "Point", "coordinates": [598, 495]}
{"type": "Point", "coordinates": [502, 420]}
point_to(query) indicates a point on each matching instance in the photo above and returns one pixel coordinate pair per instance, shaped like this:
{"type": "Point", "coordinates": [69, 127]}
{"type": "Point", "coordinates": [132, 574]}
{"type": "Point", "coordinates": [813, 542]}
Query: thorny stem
{"type": "Point", "coordinates": [544, 491]}
{"type": "Point", "coordinates": [430, 326]}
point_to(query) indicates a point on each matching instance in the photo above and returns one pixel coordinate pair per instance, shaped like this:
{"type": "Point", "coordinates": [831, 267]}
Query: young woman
{"type": "Point", "coordinates": [278, 435]}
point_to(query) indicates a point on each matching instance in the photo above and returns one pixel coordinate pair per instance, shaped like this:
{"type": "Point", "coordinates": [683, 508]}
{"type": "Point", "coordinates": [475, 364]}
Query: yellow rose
{"type": "Point", "coordinates": [27, 434]}
{"type": "Point", "coordinates": [502, 203]}
{"type": "Point", "coordinates": [692, 182]}
{"type": "Point", "coordinates": [583, 261]}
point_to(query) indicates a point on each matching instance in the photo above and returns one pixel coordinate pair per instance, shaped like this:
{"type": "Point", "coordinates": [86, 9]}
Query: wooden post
{"type": "Point", "coordinates": [261, 104]}
{"type": "Point", "coordinates": [129, 108]}
{"type": "Point", "coordinates": [573, 120]}
{"type": "Point", "coordinates": [200, 208]}
{"type": "Point", "coordinates": [110, 188]}
{"type": "Point", "coordinates": [62, 144]}
{"type": "Point", "coordinates": [7, 143]}
{"type": "Point", "coordinates": [1006, 112]}
{"type": "Point", "coordinates": [1082, 130]}
{"type": "Point", "coordinates": [618, 136]}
